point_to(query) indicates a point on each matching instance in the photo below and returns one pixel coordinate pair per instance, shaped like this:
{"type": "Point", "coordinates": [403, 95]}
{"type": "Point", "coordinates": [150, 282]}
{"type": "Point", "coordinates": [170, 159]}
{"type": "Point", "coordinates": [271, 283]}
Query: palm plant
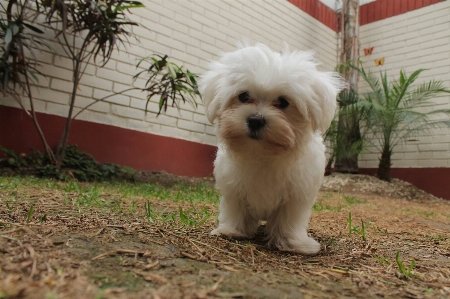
{"type": "Point", "coordinates": [396, 112]}
{"type": "Point", "coordinates": [329, 138]}
{"type": "Point", "coordinates": [350, 133]}
{"type": "Point", "coordinates": [345, 136]}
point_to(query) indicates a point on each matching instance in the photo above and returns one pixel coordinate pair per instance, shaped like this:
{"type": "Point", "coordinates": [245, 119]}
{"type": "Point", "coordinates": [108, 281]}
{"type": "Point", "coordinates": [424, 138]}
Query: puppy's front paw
{"type": "Point", "coordinates": [305, 246]}
{"type": "Point", "coordinates": [229, 233]}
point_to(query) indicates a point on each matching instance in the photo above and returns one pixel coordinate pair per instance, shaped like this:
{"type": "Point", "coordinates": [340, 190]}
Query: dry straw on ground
{"type": "Point", "coordinates": [93, 253]}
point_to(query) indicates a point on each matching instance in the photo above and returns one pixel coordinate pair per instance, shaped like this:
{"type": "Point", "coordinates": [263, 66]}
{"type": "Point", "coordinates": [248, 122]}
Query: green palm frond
{"type": "Point", "coordinates": [399, 110]}
{"type": "Point", "coordinates": [424, 93]}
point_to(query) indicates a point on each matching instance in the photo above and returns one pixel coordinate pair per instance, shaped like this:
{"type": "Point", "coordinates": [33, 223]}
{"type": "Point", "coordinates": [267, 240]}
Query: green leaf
{"type": "Point", "coordinates": [37, 30]}
{"type": "Point", "coordinates": [125, 7]}
{"type": "Point", "coordinates": [11, 161]}
{"type": "Point", "coordinates": [399, 262]}
{"type": "Point", "coordinates": [184, 219]}
{"type": "Point", "coordinates": [161, 102]}
{"type": "Point", "coordinates": [411, 266]}
{"type": "Point", "coordinates": [34, 77]}
{"type": "Point", "coordinates": [155, 61]}
{"type": "Point", "coordinates": [8, 36]}
{"type": "Point", "coordinates": [43, 219]}
{"type": "Point", "coordinates": [170, 67]}
{"type": "Point", "coordinates": [15, 29]}
{"type": "Point", "coordinates": [5, 79]}
{"type": "Point", "coordinates": [30, 213]}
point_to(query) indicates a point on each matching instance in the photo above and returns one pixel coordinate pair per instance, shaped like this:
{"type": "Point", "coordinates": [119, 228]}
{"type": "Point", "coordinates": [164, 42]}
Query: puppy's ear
{"type": "Point", "coordinates": [326, 88]}
{"type": "Point", "coordinates": [209, 87]}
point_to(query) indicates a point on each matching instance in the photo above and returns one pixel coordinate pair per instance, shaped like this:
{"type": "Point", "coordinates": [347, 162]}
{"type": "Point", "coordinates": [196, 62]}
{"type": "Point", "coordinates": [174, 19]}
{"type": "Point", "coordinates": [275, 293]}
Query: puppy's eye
{"type": "Point", "coordinates": [244, 97]}
{"type": "Point", "coordinates": [282, 103]}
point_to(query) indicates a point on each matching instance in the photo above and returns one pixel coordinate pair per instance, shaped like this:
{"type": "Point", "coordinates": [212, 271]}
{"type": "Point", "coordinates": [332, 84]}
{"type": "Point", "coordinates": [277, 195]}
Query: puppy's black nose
{"type": "Point", "coordinates": [256, 122]}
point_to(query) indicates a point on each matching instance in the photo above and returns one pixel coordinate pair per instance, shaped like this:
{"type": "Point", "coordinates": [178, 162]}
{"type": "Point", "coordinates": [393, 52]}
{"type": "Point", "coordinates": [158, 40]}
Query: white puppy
{"type": "Point", "coordinates": [269, 110]}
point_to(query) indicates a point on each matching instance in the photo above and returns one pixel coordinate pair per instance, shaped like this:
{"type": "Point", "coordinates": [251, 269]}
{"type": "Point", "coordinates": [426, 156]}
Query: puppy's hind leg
{"type": "Point", "coordinates": [234, 220]}
{"type": "Point", "coordinates": [287, 228]}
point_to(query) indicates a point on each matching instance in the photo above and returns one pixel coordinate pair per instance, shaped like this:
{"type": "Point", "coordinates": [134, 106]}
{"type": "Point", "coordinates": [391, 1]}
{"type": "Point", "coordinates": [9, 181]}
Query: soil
{"type": "Point", "coordinates": [80, 252]}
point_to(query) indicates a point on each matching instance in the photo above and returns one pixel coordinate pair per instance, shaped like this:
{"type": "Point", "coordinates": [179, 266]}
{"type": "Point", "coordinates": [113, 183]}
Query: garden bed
{"type": "Point", "coordinates": [148, 240]}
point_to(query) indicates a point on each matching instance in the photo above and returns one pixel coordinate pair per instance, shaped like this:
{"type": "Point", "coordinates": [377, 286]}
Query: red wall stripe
{"type": "Point", "coordinates": [403, 7]}
{"type": "Point", "coordinates": [319, 11]}
{"type": "Point", "coordinates": [370, 12]}
{"type": "Point", "coordinates": [109, 144]}
{"type": "Point", "coordinates": [377, 10]}
{"type": "Point", "coordinates": [382, 9]}
{"type": "Point", "coordinates": [390, 8]}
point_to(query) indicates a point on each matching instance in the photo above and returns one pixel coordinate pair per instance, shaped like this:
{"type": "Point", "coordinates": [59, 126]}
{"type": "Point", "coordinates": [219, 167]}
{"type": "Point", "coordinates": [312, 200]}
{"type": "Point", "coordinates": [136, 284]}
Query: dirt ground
{"type": "Point", "coordinates": [95, 253]}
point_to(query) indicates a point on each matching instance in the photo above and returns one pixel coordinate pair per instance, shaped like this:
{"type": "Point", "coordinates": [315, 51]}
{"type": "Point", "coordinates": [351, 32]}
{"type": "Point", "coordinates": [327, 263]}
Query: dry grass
{"type": "Point", "coordinates": [125, 250]}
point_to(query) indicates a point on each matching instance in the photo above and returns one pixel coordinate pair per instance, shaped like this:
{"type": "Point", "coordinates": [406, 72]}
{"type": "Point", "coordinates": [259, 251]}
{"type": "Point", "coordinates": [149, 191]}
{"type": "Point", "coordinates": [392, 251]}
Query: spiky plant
{"type": "Point", "coordinates": [345, 136]}
{"type": "Point", "coordinates": [400, 110]}
{"type": "Point", "coordinates": [19, 40]}
{"type": "Point", "coordinates": [86, 30]}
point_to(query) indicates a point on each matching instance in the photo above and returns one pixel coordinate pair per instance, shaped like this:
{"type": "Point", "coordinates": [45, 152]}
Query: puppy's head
{"type": "Point", "coordinates": [266, 102]}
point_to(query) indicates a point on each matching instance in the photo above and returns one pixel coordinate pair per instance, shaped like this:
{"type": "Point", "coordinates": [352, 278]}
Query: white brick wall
{"type": "Point", "coordinates": [192, 33]}
{"type": "Point", "coordinates": [414, 40]}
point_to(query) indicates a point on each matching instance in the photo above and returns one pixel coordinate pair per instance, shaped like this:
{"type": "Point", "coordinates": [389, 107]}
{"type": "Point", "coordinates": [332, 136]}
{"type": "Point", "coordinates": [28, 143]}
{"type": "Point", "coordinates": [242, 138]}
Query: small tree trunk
{"type": "Point", "coordinates": [32, 113]}
{"type": "Point", "coordinates": [77, 74]}
{"type": "Point", "coordinates": [384, 167]}
{"type": "Point", "coordinates": [349, 52]}
{"type": "Point", "coordinates": [349, 39]}
{"type": "Point", "coordinates": [329, 166]}
{"type": "Point", "coordinates": [347, 165]}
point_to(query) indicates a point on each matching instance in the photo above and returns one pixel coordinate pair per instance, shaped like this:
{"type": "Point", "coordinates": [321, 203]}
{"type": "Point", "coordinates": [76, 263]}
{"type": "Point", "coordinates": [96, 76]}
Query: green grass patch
{"type": "Point", "coordinates": [320, 206]}
{"type": "Point", "coordinates": [344, 201]}
{"type": "Point", "coordinates": [93, 194]}
{"type": "Point", "coordinates": [437, 238]}
{"type": "Point", "coordinates": [359, 230]}
{"type": "Point", "coordinates": [120, 197]}
{"type": "Point", "coordinates": [406, 272]}
{"type": "Point", "coordinates": [382, 260]}
{"type": "Point", "coordinates": [352, 200]}
{"type": "Point", "coordinates": [422, 213]}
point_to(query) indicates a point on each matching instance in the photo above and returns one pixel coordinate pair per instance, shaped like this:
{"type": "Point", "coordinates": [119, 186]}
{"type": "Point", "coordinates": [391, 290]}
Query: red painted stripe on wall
{"type": "Point", "coordinates": [109, 144]}
{"type": "Point", "coordinates": [382, 9]}
{"type": "Point", "coordinates": [369, 13]}
{"type": "Point", "coordinates": [319, 11]}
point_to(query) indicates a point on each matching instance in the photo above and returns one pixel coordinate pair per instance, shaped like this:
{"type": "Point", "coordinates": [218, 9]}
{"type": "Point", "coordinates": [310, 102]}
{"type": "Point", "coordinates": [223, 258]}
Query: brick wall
{"type": "Point", "coordinates": [192, 33]}
{"type": "Point", "coordinates": [412, 40]}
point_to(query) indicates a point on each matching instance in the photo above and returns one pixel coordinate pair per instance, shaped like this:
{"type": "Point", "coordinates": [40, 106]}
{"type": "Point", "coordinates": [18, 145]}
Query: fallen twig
{"type": "Point", "coordinates": [188, 255]}
{"type": "Point", "coordinates": [12, 239]}
{"type": "Point", "coordinates": [33, 257]}
{"type": "Point", "coordinates": [151, 265]}
{"type": "Point", "coordinates": [214, 288]}
{"type": "Point", "coordinates": [151, 277]}
{"type": "Point", "coordinates": [97, 233]}
{"type": "Point", "coordinates": [134, 252]}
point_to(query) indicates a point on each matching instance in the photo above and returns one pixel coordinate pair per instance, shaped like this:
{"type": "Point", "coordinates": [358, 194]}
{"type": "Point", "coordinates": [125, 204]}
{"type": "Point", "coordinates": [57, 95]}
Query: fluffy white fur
{"type": "Point", "coordinates": [272, 173]}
